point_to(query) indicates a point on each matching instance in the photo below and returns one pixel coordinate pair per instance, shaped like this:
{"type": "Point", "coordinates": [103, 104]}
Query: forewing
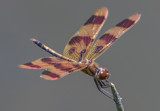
{"type": "Point", "coordinates": [54, 68]}
{"type": "Point", "coordinates": [109, 37]}
{"type": "Point", "coordinates": [79, 44]}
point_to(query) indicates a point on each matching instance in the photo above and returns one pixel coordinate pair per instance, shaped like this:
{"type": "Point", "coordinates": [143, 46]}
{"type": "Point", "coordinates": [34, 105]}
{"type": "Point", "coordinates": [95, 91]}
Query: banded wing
{"type": "Point", "coordinates": [109, 37]}
{"type": "Point", "coordinates": [80, 43]}
{"type": "Point", "coordinates": [55, 68]}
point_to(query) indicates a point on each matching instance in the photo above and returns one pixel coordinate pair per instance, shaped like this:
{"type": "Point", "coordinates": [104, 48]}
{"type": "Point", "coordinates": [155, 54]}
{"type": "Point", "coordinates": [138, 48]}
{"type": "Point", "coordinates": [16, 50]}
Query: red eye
{"type": "Point", "coordinates": [103, 75]}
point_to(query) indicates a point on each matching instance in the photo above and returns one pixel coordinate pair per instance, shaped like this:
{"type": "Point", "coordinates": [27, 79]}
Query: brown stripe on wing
{"type": "Point", "coordinates": [54, 67]}
{"type": "Point", "coordinates": [49, 75]}
{"type": "Point", "coordinates": [30, 65]}
{"type": "Point", "coordinates": [60, 70]}
{"type": "Point", "coordinates": [78, 39]}
{"type": "Point", "coordinates": [95, 20]}
{"type": "Point", "coordinates": [72, 50]}
{"type": "Point", "coordinates": [79, 44]}
{"type": "Point", "coordinates": [107, 39]}
{"type": "Point", "coordinates": [45, 62]}
{"type": "Point", "coordinates": [125, 23]}
{"type": "Point", "coordinates": [62, 67]}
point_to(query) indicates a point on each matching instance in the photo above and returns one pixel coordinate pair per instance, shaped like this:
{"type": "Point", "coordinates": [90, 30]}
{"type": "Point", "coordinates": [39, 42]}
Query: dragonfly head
{"type": "Point", "coordinates": [103, 74]}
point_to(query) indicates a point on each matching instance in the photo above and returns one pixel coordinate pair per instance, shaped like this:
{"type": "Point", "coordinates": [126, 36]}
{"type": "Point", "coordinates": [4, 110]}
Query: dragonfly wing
{"type": "Point", "coordinates": [46, 61]}
{"type": "Point", "coordinates": [43, 63]}
{"type": "Point", "coordinates": [109, 37]}
{"type": "Point", "coordinates": [60, 70]}
{"type": "Point", "coordinates": [79, 44]}
{"type": "Point", "coordinates": [54, 68]}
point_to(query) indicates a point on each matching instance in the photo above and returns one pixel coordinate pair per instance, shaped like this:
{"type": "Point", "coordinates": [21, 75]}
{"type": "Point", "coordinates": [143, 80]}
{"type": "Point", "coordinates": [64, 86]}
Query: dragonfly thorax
{"type": "Point", "coordinates": [103, 74]}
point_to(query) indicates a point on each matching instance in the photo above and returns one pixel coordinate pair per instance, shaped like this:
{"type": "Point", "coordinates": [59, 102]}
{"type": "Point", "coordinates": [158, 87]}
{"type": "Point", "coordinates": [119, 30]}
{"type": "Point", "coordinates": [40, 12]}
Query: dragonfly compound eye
{"type": "Point", "coordinates": [103, 74]}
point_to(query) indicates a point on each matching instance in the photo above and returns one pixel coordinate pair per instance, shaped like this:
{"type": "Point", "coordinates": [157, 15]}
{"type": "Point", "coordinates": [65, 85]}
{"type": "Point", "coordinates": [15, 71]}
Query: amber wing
{"type": "Point", "coordinates": [54, 67]}
{"type": "Point", "coordinates": [80, 43]}
{"type": "Point", "coordinates": [109, 37]}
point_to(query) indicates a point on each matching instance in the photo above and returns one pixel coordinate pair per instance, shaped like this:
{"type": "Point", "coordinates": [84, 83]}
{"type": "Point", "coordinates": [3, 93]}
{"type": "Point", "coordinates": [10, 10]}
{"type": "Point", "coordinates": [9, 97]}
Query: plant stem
{"type": "Point", "coordinates": [117, 98]}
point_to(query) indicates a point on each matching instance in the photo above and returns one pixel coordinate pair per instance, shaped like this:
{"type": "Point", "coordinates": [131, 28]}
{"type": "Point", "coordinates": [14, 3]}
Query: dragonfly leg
{"type": "Point", "coordinates": [101, 85]}
{"type": "Point", "coordinates": [105, 84]}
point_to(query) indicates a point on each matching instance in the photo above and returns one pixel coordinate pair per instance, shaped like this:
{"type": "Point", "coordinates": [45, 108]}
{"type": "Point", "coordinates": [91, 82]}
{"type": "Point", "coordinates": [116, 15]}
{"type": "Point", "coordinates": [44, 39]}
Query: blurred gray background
{"type": "Point", "coordinates": [133, 61]}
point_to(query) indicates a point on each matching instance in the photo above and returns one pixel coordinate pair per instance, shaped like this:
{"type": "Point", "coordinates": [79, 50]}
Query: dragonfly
{"type": "Point", "coordinates": [81, 52]}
